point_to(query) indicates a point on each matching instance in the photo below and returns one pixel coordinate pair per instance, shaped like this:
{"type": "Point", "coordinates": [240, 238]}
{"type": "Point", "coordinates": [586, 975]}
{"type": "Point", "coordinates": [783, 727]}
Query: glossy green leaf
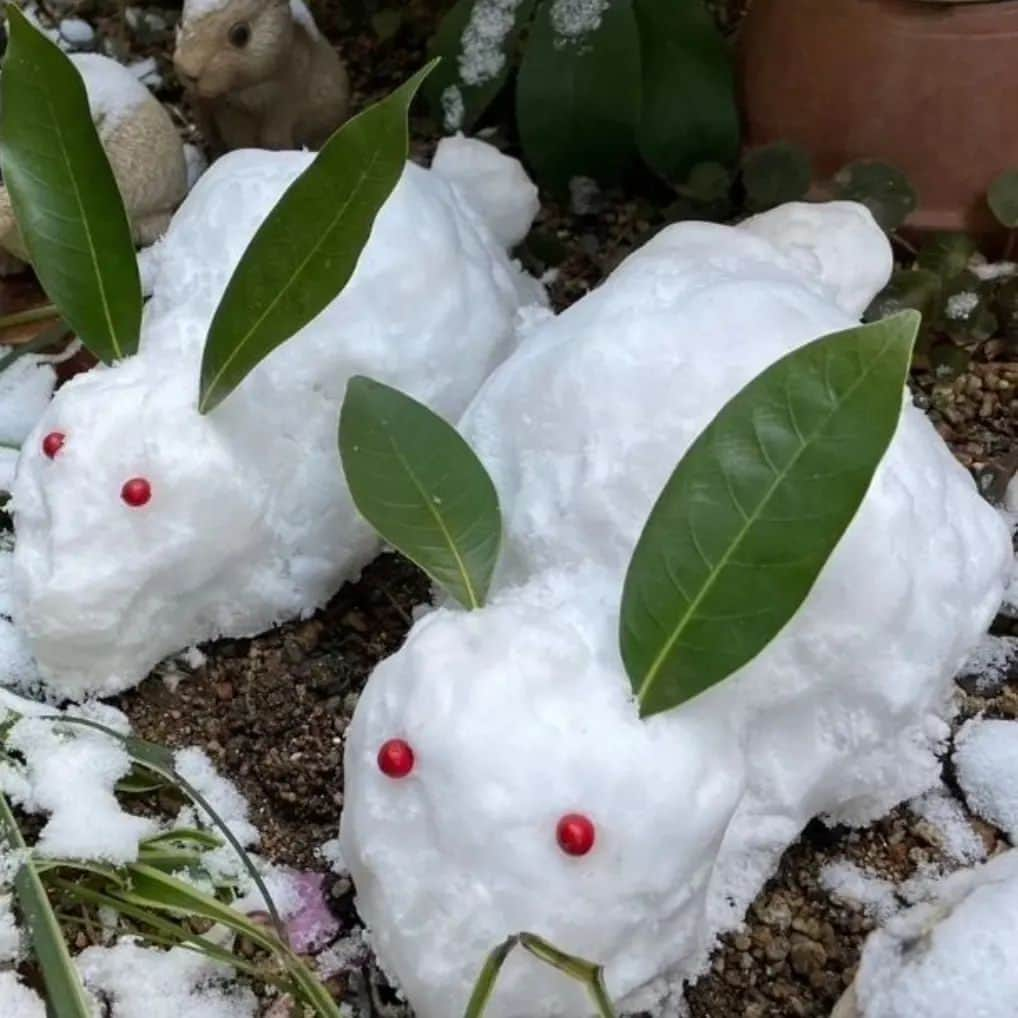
{"type": "Point", "coordinates": [419, 484]}
{"type": "Point", "coordinates": [882, 188]}
{"type": "Point", "coordinates": [578, 96]}
{"type": "Point", "coordinates": [688, 110]}
{"type": "Point", "coordinates": [64, 195]}
{"type": "Point", "coordinates": [775, 174]}
{"type": "Point", "coordinates": [307, 249]}
{"type": "Point", "coordinates": [456, 103]}
{"type": "Point", "coordinates": [65, 996]}
{"type": "Point", "coordinates": [1003, 199]}
{"type": "Point", "coordinates": [754, 509]}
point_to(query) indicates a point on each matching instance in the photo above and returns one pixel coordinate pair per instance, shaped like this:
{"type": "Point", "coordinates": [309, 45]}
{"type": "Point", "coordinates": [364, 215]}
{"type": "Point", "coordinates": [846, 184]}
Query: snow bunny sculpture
{"type": "Point", "coordinates": [143, 527]}
{"type": "Point", "coordinates": [530, 796]}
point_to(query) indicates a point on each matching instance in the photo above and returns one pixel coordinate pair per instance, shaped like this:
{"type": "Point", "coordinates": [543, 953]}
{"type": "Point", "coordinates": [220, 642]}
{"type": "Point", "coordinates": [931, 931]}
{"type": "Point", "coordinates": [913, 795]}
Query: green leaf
{"type": "Point", "coordinates": [946, 253]}
{"type": "Point", "coordinates": [882, 188]}
{"type": "Point", "coordinates": [454, 103]}
{"type": "Point", "coordinates": [64, 195]}
{"type": "Point", "coordinates": [775, 174]}
{"type": "Point", "coordinates": [419, 484]}
{"type": "Point", "coordinates": [688, 110]}
{"type": "Point", "coordinates": [307, 249]}
{"type": "Point", "coordinates": [65, 996]}
{"type": "Point", "coordinates": [1003, 199]}
{"type": "Point", "coordinates": [746, 522]}
{"type": "Point", "coordinates": [578, 98]}
{"type": "Point", "coordinates": [708, 183]}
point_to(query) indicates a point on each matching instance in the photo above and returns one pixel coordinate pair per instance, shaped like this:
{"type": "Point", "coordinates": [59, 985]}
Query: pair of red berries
{"type": "Point", "coordinates": [575, 833]}
{"type": "Point", "coordinates": [136, 492]}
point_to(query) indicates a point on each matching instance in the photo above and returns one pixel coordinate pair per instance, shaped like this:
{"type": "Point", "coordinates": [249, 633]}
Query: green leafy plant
{"type": "Point", "coordinates": [754, 509]}
{"type": "Point", "coordinates": [597, 89]}
{"type": "Point", "coordinates": [64, 196]}
{"type": "Point", "coordinates": [57, 896]}
{"type": "Point", "coordinates": [307, 248]}
{"type": "Point", "coordinates": [421, 487]}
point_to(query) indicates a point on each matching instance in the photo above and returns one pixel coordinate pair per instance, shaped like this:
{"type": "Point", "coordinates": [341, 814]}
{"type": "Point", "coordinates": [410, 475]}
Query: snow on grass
{"type": "Point", "coordinates": [482, 57]}
{"type": "Point", "coordinates": [17, 1000]}
{"type": "Point", "coordinates": [986, 762]}
{"type": "Point", "coordinates": [195, 767]}
{"type": "Point", "coordinates": [874, 894]}
{"type": "Point", "coordinates": [954, 833]}
{"type": "Point", "coordinates": [143, 982]}
{"type": "Point", "coordinates": [573, 19]}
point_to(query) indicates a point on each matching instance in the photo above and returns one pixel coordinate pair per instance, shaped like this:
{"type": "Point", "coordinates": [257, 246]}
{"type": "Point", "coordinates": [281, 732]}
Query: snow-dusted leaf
{"type": "Point", "coordinates": [65, 996]}
{"type": "Point", "coordinates": [64, 195]}
{"type": "Point", "coordinates": [1003, 199]}
{"type": "Point", "coordinates": [578, 93]}
{"type": "Point", "coordinates": [308, 247]}
{"type": "Point", "coordinates": [476, 41]}
{"type": "Point", "coordinates": [688, 111]}
{"type": "Point", "coordinates": [756, 506]}
{"type": "Point", "coordinates": [419, 484]}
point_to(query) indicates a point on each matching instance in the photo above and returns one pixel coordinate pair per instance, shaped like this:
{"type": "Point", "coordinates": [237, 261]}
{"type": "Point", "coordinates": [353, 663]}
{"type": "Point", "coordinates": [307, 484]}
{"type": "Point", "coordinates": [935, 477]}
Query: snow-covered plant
{"type": "Point", "coordinates": [600, 83]}
{"type": "Point", "coordinates": [168, 894]}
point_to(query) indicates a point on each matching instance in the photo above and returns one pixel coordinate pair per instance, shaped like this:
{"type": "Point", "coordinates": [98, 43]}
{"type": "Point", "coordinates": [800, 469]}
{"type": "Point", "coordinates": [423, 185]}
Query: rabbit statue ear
{"type": "Point", "coordinates": [838, 244]}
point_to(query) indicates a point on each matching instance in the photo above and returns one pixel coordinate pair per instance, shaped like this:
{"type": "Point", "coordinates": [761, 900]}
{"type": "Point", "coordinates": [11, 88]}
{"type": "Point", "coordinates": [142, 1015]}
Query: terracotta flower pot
{"type": "Point", "coordinates": [929, 87]}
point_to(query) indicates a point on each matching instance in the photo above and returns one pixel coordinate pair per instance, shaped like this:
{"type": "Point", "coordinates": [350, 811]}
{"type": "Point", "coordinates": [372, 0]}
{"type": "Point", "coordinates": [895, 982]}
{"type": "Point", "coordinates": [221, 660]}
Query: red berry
{"type": "Point", "coordinates": [575, 834]}
{"type": "Point", "coordinates": [396, 759]}
{"type": "Point", "coordinates": [53, 443]}
{"type": "Point", "coordinates": [136, 492]}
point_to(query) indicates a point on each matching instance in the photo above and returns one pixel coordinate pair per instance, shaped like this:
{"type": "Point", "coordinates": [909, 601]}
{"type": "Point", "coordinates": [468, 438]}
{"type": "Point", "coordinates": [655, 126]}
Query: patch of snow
{"type": "Point", "coordinates": [840, 715]}
{"type": "Point", "coordinates": [955, 834]}
{"type": "Point", "coordinates": [991, 662]}
{"type": "Point", "coordinates": [197, 164]}
{"type": "Point", "coordinates": [77, 33]}
{"type": "Point", "coordinates": [990, 271]}
{"type": "Point", "coordinates": [17, 1000]}
{"type": "Point", "coordinates": [875, 895]}
{"type": "Point", "coordinates": [956, 956]}
{"type": "Point", "coordinates": [26, 388]}
{"type": "Point", "coordinates": [573, 19]}
{"type": "Point", "coordinates": [986, 762]}
{"type": "Point", "coordinates": [482, 54]}
{"type": "Point", "coordinates": [453, 109]}
{"type": "Point", "coordinates": [348, 951]}
{"type": "Point", "coordinates": [113, 91]}
{"type": "Point", "coordinates": [961, 305]}
{"type": "Point", "coordinates": [10, 935]}
{"type": "Point", "coordinates": [332, 853]}
{"type": "Point", "coordinates": [144, 982]}
{"type": "Point", "coordinates": [72, 774]}
{"type": "Point", "coordinates": [250, 520]}
{"type": "Point", "coordinates": [221, 794]}
{"type": "Point", "coordinates": [18, 670]}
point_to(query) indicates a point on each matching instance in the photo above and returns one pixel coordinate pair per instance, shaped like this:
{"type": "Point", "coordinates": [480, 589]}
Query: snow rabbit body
{"type": "Point", "coordinates": [259, 74]}
{"type": "Point", "coordinates": [244, 518]}
{"type": "Point", "coordinates": [520, 715]}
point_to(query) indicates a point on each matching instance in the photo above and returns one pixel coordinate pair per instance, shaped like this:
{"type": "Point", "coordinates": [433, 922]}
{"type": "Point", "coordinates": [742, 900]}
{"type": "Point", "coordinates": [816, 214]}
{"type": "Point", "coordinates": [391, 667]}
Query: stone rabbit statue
{"type": "Point", "coordinates": [259, 74]}
{"type": "Point", "coordinates": [142, 145]}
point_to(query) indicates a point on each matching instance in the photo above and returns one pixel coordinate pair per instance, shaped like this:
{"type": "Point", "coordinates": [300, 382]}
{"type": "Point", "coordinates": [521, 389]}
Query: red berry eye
{"type": "Point", "coordinates": [575, 834]}
{"type": "Point", "coordinates": [53, 443]}
{"type": "Point", "coordinates": [136, 492]}
{"type": "Point", "coordinates": [396, 759]}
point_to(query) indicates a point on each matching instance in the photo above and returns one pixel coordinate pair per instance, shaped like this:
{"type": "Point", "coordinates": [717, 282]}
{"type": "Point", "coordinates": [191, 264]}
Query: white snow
{"type": "Point", "coordinates": [144, 982]}
{"type": "Point", "coordinates": [113, 91]}
{"type": "Point", "coordinates": [991, 661]}
{"type": "Point", "coordinates": [10, 936]}
{"type": "Point", "coordinates": [961, 305]}
{"type": "Point", "coordinates": [222, 795]}
{"type": "Point", "coordinates": [874, 894]}
{"type": "Point", "coordinates": [958, 956]}
{"type": "Point", "coordinates": [17, 1000]}
{"type": "Point", "coordinates": [520, 712]}
{"type": "Point", "coordinates": [25, 391]}
{"type": "Point", "coordinates": [79, 34]}
{"type": "Point", "coordinates": [573, 19]}
{"type": "Point", "coordinates": [250, 520]}
{"type": "Point", "coordinates": [453, 108]}
{"type": "Point", "coordinates": [494, 184]}
{"type": "Point", "coordinates": [986, 762]}
{"type": "Point", "coordinates": [955, 834]}
{"type": "Point", "coordinates": [482, 56]}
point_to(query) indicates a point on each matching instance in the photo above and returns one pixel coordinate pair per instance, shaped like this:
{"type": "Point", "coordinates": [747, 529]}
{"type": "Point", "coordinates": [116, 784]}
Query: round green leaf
{"type": "Point", "coordinates": [775, 174]}
{"type": "Point", "coordinates": [946, 253]}
{"type": "Point", "coordinates": [419, 484]}
{"type": "Point", "coordinates": [64, 194]}
{"type": "Point", "coordinates": [688, 111]}
{"type": "Point", "coordinates": [1003, 198]}
{"type": "Point", "coordinates": [882, 188]}
{"type": "Point", "coordinates": [754, 509]}
{"type": "Point", "coordinates": [578, 97]}
{"type": "Point", "coordinates": [708, 183]}
{"type": "Point", "coordinates": [308, 246]}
